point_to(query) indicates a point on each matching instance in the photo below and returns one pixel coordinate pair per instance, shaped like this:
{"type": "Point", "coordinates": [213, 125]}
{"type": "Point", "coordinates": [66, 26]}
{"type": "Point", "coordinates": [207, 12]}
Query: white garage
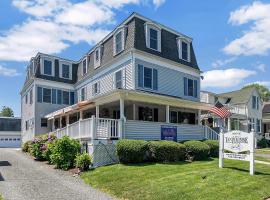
{"type": "Point", "coordinates": [10, 132]}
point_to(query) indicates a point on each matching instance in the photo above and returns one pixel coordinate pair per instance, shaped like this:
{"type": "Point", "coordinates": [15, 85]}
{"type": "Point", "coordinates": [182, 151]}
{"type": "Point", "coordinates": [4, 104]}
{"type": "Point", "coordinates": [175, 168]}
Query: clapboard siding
{"type": "Point", "coordinates": [107, 81]}
{"type": "Point", "coordinates": [142, 130]}
{"type": "Point", "coordinates": [170, 82]}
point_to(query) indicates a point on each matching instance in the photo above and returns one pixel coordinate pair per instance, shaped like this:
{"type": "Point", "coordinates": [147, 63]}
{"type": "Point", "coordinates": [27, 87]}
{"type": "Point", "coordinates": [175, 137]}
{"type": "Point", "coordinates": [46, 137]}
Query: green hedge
{"type": "Point", "coordinates": [214, 147]}
{"type": "Point", "coordinates": [162, 151]}
{"type": "Point", "coordinates": [132, 151]}
{"type": "Point", "coordinates": [197, 150]}
{"type": "Point", "coordinates": [64, 151]}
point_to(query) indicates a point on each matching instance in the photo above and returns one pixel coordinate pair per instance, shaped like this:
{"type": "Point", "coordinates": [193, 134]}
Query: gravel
{"type": "Point", "coordinates": [22, 178]}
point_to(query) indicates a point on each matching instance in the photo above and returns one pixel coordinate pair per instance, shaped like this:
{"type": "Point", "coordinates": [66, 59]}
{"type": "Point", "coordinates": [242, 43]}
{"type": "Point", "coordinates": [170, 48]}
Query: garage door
{"type": "Point", "coordinates": [10, 141]}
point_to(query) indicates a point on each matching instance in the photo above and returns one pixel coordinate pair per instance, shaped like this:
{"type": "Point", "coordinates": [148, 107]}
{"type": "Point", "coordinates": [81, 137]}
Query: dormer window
{"type": "Point", "coordinates": [153, 37]}
{"type": "Point", "coordinates": [119, 41]}
{"type": "Point", "coordinates": [84, 66]}
{"type": "Point", "coordinates": [65, 70]}
{"type": "Point", "coordinates": [47, 67]}
{"type": "Point", "coordinates": [184, 48]}
{"type": "Point", "coordinates": [97, 57]}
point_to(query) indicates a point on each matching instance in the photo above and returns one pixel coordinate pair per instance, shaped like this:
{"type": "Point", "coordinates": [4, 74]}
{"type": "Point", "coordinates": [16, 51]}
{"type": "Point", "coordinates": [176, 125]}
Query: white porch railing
{"type": "Point", "coordinates": [210, 134]}
{"type": "Point", "coordinates": [94, 128]}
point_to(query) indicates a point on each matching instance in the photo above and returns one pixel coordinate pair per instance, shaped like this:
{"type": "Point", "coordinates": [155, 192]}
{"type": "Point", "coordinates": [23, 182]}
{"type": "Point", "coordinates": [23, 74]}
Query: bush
{"type": "Point", "coordinates": [83, 161]}
{"type": "Point", "coordinates": [162, 151]}
{"type": "Point", "coordinates": [263, 143]}
{"type": "Point", "coordinates": [36, 150]}
{"type": "Point", "coordinates": [64, 152]}
{"type": "Point", "coordinates": [197, 150]}
{"type": "Point", "coordinates": [132, 151]}
{"type": "Point", "coordinates": [47, 152]}
{"type": "Point", "coordinates": [26, 146]}
{"type": "Point", "coordinates": [214, 147]}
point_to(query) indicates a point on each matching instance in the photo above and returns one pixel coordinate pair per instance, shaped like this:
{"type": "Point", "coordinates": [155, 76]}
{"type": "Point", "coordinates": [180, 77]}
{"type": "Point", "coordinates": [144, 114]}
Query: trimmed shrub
{"type": "Point", "coordinates": [214, 147]}
{"type": "Point", "coordinates": [26, 146]}
{"type": "Point", "coordinates": [36, 150]}
{"type": "Point", "coordinates": [132, 151]}
{"type": "Point", "coordinates": [83, 161]}
{"type": "Point", "coordinates": [64, 151]}
{"type": "Point", "coordinates": [163, 151]}
{"type": "Point", "coordinates": [263, 143]}
{"type": "Point", "coordinates": [197, 150]}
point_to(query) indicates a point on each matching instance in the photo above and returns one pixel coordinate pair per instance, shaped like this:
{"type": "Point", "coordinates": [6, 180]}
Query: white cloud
{"type": "Point", "coordinates": [256, 40]}
{"type": "Point", "coordinates": [219, 63]}
{"type": "Point", "coordinates": [54, 25]}
{"type": "Point", "coordinates": [8, 72]}
{"type": "Point", "coordinates": [227, 78]}
{"type": "Point", "coordinates": [158, 3]}
{"type": "Point", "coordinates": [261, 67]}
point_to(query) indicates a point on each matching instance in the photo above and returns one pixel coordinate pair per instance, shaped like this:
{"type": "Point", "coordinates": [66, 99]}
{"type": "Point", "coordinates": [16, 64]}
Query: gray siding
{"type": "Point", "coordinates": [141, 130]}
{"type": "Point", "coordinates": [170, 82]}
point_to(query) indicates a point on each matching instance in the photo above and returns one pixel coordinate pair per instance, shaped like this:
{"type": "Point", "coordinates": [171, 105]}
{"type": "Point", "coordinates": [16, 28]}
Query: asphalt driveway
{"type": "Point", "coordinates": [22, 178]}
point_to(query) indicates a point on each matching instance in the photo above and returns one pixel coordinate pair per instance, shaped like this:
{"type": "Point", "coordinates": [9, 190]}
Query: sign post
{"type": "Point", "coordinates": [236, 142]}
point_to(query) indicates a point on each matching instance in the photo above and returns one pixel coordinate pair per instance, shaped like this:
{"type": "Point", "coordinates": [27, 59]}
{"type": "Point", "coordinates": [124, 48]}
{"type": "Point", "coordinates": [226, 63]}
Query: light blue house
{"type": "Point", "coordinates": [139, 81]}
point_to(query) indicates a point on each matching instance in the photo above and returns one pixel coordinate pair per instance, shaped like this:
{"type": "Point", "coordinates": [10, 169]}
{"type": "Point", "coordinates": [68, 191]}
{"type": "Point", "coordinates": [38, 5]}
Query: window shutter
{"type": "Point", "coordinates": [155, 79]}
{"type": "Point", "coordinates": [195, 88]}
{"type": "Point", "coordinates": [53, 96]}
{"type": "Point", "coordinates": [39, 99]}
{"type": "Point", "coordinates": [140, 75]}
{"type": "Point", "coordinates": [185, 86]}
{"type": "Point", "coordinates": [59, 96]}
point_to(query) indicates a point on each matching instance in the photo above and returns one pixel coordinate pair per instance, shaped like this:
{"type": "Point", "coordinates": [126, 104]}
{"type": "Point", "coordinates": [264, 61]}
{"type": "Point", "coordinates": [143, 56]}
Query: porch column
{"type": "Point", "coordinates": [122, 108]}
{"type": "Point", "coordinates": [81, 115]}
{"type": "Point", "coordinates": [53, 128]}
{"type": "Point", "coordinates": [134, 111]}
{"type": "Point", "coordinates": [229, 124]}
{"type": "Point", "coordinates": [67, 120]}
{"type": "Point", "coordinates": [60, 122]}
{"type": "Point", "coordinates": [97, 111]}
{"type": "Point", "coordinates": [199, 117]}
{"type": "Point", "coordinates": [167, 114]}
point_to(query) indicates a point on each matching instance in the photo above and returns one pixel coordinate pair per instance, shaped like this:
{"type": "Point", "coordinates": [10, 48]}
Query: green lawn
{"type": "Point", "coordinates": [260, 158]}
{"type": "Point", "coordinates": [263, 151]}
{"type": "Point", "coordinates": [197, 180]}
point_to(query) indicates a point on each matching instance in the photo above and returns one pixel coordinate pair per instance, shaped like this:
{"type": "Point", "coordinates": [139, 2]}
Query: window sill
{"type": "Point", "coordinates": [154, 49]}
{"type": "Point", "coordinates": [115, 54]}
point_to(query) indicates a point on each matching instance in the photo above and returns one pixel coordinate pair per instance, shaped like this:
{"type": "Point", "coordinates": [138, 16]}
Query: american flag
{"type": "Point", "coordinates": [220, 110]}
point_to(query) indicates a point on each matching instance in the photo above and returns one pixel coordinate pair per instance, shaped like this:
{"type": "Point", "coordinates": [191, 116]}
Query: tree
{"type": "Point", "coordinates": [6, 112]}
{"type": "Point", "coordinates": [263, 91]}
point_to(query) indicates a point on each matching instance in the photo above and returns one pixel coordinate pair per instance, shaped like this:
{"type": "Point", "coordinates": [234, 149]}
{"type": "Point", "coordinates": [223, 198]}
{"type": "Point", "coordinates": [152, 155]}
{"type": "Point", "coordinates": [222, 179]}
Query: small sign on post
{"type": "Point", "coordinates": [236, 142]}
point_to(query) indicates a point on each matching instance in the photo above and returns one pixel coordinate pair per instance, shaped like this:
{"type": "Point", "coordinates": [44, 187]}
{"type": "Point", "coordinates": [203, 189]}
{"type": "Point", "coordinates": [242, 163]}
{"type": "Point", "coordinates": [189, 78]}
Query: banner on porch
{"type": "Point", "coordinates": [240, 146]}
{"type": "Point", "coordinates": [169, 133]}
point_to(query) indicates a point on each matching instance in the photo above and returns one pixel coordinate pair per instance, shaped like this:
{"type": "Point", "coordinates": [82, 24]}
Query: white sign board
{"type": "Point", "coordinates": [237, 142]}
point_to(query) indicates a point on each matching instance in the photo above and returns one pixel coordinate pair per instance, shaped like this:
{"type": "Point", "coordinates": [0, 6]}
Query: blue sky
{"type": "Point", "coordinates": [231, 38]}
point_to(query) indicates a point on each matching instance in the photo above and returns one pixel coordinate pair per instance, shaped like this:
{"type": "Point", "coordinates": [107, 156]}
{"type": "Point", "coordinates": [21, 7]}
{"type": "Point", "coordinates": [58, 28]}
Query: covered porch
{"type": "Point", "coordinates": [123, 113]}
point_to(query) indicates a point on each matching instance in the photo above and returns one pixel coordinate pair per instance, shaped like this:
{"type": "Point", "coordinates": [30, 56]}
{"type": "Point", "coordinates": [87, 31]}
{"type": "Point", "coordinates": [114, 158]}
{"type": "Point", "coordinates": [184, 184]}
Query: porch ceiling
{"type": "Point", "coordinates": [131, 95]}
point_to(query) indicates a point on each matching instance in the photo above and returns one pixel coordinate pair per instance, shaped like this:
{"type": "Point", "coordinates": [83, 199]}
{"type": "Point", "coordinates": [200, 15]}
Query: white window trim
{"type": "Point", "coordinates": [114, 77]}
{"type": "Point", "coordinates": [85, 96]}
{"type": "Point", "coordinates": [179, 45]}
{"type": "Point", "coordinates": [43, 94]}
{"type": "Point", "coordinates": [147, 88]}
{"type": "Point", "coordinates": [98, 88]}
{"type": "Point", "coordinates": [147, 27]}
{"type": "Point", "coordinates": [97, 63]}
{"type": "Point", "coordinates": [122, 30]}
{"type": "Point", "coordinates": [61, 63]}
{"type": "Point", "coordinates": [86, 65]}
{"type": "Point", "coordinates": [42, 66]}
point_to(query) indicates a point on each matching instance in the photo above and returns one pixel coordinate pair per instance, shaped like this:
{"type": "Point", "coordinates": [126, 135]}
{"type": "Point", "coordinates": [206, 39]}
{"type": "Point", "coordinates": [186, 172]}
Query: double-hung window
{"type": "Point", "coordinates": [59, 96]}
{"type": "Point", "coordinates": [147, 77]}
{"type": "Point", "coordinates": [119, 41]}
{"type": "Point", "coordinates": [47, 95]}
{"type": "Point", "coordinates": [254, 102]}
{"type": "Point", "coordinates": [26, 98]}
{"type": "Point", "coordinates": [47, 67]}
{"type": "Point", "coordinates": [65, 71]}
{"type": "Point", "coordinates": [84, 66]}
{"type": "Point", "coordinates": [96, 88]}
{"type": "Point", "coordinates": [118, 80]}
{"type": "Point", "coordinates": [31, 96]}
{"type": "Point", "coordinates": [190, 87]}
{"type": "Point", "coordinates": [184, 48]}
{"type": "Point", "coordinates": [97, 58]}
{"type": "Point", "coordinates": [153, 37]}
{"type": "Point", "coordinates": [83, 96]}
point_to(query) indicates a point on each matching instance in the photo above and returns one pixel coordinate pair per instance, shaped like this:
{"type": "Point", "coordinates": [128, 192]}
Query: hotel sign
{"type": "Point", "coordinates": [240, 145]}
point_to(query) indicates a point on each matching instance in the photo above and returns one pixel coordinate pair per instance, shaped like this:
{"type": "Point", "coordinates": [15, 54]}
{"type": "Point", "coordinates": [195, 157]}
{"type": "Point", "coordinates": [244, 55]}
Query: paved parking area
{"type": "Point", "coordinates": [22, 178]}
